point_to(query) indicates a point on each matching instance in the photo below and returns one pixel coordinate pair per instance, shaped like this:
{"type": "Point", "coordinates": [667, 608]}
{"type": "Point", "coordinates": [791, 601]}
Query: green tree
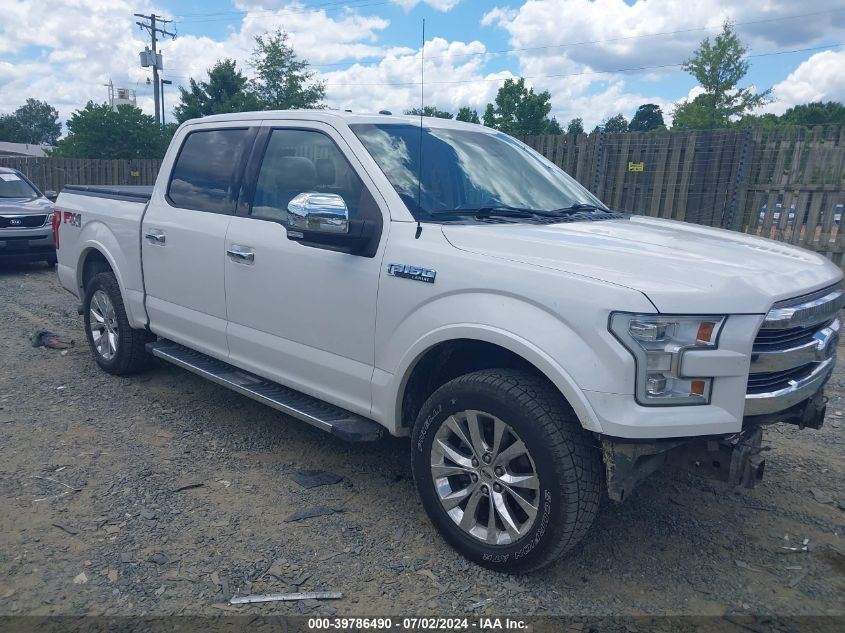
{"type": "Point", "coordinates": [647, 117]}
{"type": "Point", "coordinates": [698, 114]}
{"type": "Point", "coordinates": [10, 129]}
{"type": "Point", "coordinates": [98, 131]}
{"type": "Point", "coordinates": [468, 115]}
{"type": "Point", "coordinates": [431, 111]}
{"type": "Point", "coordinates": [718, 66]}
{"type": "Point", "coordinates": [283, 81]}
{"type": "Point", "coordinates": [226, 90]}
{"type": "Point", "coordinates": [575, 126]}
{"type": "Point", "coordinates": [816, 113]}
{"type": "Point", "coordinates": [35, 122]}
{"type": "Point", "coordinates": [767, 120]}
{"type": "Point", "coordinates": [489, 118]}
{"type": "Point", "coordinates": [615, 124]}
{"type": "Point", "coordinates": [518, 111]}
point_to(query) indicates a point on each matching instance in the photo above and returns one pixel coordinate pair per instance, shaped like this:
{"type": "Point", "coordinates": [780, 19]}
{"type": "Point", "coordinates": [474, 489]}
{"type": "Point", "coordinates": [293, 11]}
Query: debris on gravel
{"type": "Point", "coordinates": [315, 478]}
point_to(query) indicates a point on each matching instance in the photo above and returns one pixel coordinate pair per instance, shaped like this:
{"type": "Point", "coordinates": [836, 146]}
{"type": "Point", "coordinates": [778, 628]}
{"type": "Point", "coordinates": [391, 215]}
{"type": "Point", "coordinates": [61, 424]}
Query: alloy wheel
{"type": "Point", "coordinates": [485, 477]}
{"type": "Point", "coordinates": [103, 324]}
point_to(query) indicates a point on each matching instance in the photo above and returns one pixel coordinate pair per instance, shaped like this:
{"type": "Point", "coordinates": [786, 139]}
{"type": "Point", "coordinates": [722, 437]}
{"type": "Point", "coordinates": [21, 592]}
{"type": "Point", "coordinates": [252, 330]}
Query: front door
{"type": "Point", "coordinates": [304, 315]}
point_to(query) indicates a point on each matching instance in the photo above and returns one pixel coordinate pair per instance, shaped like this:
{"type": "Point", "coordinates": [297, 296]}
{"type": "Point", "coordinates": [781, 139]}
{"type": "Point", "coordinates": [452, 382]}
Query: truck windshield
{"type": "Point", "coordinates": [467, 170]}
{"type": "Point", "coordinates": [13, 186]}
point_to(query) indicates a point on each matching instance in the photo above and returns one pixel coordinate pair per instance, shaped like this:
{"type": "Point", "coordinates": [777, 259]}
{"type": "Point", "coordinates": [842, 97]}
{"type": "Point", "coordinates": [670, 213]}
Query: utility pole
{"type": "Point", "coordinates": [150, 25]}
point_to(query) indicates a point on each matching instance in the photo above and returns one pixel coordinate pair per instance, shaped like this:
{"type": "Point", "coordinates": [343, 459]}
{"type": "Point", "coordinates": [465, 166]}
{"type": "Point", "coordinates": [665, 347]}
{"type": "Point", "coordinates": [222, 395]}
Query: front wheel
{"type": "Point", "coordinates": [117, 347]}
{"type": "Point", "coordinates": [504, 469]}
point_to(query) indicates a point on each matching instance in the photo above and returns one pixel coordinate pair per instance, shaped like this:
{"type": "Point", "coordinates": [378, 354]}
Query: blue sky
{"type": "Point", "coordinates": [367, 51]}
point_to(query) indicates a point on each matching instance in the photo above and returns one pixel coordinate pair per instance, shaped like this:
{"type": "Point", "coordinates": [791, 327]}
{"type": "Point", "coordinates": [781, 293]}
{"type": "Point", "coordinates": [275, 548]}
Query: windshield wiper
{"type": "Point", "coordinates": [486, 212]}
{"type": "Point", "coordinates": [579, 206]}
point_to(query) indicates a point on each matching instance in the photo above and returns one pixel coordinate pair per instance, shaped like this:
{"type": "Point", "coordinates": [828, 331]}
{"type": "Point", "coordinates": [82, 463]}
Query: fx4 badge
{"type": "Point", "coordinates": [416, 273]}
{"type": "Point", "coordinates": [74, 219]}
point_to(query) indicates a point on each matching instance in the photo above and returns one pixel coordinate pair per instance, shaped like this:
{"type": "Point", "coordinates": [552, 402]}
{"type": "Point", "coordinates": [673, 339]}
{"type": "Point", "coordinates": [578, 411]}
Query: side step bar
{"type": "Point", "coordinates": [340, 422]}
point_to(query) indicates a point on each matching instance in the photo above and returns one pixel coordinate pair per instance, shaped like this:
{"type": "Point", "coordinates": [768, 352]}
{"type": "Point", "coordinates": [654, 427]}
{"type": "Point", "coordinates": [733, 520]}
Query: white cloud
{"type": "Point", "coordinates": [393, 83]}
{"type": "Point", "coordinates": [498, 16]}
{"type": "Point", "coordinates": [820, 78]}
{"type": "Point", "coordinates": [613, 33]}
{"type": "Point", "coordinates": [440, 5]}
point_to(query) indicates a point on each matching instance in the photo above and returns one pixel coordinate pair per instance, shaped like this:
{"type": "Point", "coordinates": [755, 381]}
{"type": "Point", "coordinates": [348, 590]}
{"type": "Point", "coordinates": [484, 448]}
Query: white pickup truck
{"type": "Point", "coordinates": [440, 280]}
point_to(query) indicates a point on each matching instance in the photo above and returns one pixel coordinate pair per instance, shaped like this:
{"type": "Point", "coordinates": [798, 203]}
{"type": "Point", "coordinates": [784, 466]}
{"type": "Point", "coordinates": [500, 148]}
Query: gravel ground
{"type": "Point", "coordinates": [93, 520]}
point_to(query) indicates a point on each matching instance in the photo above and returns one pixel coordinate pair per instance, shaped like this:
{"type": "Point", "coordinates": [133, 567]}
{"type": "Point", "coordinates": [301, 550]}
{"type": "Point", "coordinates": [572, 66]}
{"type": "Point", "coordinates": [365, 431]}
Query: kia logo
{"type": "Point", "coordinates": [14, 222]}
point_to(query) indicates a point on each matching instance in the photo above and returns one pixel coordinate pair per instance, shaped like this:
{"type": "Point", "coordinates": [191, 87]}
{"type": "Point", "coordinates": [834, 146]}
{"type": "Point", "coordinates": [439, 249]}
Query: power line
{"type": "Point", "coordinates": [588, 72]}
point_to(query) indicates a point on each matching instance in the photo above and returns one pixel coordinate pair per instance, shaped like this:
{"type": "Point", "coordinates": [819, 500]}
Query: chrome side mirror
{"type": "Point", "coordinates": [51, 195]}
{"type": "Point", "coordinates": [319, 212]}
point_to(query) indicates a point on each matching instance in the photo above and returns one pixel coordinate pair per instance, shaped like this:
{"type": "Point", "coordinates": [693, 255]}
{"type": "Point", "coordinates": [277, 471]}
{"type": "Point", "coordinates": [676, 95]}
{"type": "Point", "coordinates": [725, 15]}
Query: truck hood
{"type": "Point", "coordinates": [680, 267]}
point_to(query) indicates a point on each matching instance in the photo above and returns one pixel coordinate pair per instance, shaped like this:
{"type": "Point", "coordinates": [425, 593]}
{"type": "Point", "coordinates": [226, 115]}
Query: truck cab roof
{"type": "Point", "coordinates": [339, 116]}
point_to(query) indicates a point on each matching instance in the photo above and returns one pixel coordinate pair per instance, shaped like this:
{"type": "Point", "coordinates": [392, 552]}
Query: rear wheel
{"type": "Point", "coordinates": [117, 347]}
{"type": "Point", "coordinates": [504, 469]}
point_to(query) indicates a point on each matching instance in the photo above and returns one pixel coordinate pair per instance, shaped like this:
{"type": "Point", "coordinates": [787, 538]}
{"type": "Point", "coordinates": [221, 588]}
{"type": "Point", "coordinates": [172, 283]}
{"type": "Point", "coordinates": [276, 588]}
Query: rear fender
{"type": "Point", "coordinates": [96, 236]}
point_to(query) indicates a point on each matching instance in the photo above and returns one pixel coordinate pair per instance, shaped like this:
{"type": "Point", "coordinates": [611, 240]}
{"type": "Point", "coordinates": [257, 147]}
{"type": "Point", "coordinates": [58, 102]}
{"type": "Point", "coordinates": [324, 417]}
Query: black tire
{"type": "Point", "coordinates": [130, 355]}
{"type": "Point", "coordinates": [566, 459]}
{"type": "Point", "coordinates": [51, 261]}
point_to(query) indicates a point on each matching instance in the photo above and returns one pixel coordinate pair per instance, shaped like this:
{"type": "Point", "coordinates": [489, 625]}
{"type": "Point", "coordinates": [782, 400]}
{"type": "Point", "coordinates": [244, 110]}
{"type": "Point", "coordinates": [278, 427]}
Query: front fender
{"type": "Point", "coordinates": [510, 341]}
{"type": "Point", "coordinates": [567, 342]}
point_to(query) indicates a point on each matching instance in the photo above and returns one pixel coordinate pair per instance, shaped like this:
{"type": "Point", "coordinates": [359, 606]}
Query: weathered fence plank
{"type": "Point", "coordinates": [783, 183]}
{"type": "Point", "coordinates": [54, 173]}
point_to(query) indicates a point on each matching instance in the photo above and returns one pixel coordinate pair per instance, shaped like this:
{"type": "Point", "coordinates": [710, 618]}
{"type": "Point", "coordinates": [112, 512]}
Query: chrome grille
{"type": "Point", "coordinates": [774, 380]}
{"type": "Point", "coordinates": [794, 351]}
{"type": "Point", "coordinates": [769, 340]}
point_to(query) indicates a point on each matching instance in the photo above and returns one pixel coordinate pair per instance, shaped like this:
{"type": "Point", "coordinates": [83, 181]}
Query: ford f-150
{"type": "Point", "coordinates": [441, 280]}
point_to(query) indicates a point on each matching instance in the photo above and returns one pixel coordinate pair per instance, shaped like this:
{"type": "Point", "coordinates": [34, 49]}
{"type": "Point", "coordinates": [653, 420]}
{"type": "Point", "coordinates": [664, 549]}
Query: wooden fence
{"type": "Point", "coordinates": [51, 174]}
{"type": "Point", "coordinates": [787, 183]}
{"type": "Point", "coordinates": [735, 179]}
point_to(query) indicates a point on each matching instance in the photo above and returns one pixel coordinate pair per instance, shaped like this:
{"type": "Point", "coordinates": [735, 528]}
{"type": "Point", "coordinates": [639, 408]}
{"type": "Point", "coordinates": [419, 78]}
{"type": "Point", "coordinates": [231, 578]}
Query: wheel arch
{"type": "Point", "coordinates": [453, 351]}
{"type": "Point", "coordinates": [94, 258]}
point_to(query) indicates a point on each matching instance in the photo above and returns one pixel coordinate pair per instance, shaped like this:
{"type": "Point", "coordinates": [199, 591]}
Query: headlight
{"type": "Point", "coordinates": [658, 344]}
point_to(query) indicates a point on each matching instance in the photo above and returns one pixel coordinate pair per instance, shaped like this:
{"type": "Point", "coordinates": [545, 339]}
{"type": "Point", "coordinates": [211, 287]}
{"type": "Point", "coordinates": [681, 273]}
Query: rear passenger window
{"type": "Point", "coordinates": [203, 176]}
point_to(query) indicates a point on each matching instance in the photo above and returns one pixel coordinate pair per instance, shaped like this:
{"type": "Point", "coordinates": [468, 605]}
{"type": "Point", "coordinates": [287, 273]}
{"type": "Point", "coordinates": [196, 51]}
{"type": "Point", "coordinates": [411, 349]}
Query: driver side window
{"type": "Point", "coordinates": [303, 161]}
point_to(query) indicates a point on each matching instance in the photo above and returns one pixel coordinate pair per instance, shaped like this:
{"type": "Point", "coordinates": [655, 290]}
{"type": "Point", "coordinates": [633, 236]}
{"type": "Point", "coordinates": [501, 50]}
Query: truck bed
{"type": "Point", "coordinates": [104, 218]}
{"type": "Point", "coordinates": [135, 193]}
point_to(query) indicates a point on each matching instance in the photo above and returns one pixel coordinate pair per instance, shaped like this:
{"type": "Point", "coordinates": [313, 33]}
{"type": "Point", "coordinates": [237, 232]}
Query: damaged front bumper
{"type": "Point", "coordinates": [735, 459]}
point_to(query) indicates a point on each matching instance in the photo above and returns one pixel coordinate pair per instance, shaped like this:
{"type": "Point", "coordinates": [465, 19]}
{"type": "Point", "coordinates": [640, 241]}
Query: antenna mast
{"type": "Point", "coordinates": [422, 105]}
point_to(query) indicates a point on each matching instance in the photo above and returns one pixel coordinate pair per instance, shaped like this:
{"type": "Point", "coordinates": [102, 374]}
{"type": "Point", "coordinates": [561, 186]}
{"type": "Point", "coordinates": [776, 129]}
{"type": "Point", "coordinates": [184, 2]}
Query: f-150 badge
{"type": "Point", "coordinates": [416, 273]}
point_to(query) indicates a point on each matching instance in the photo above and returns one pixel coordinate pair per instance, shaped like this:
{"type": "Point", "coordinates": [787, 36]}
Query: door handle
{"type": "Point", "coordinates": [241, 254]}
{"type": "Point", "coordinates": [155, 236]}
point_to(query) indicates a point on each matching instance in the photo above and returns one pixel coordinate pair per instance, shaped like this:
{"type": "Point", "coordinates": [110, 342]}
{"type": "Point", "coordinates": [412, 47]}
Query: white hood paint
{"type": "Point", "coordinates": [681, 267]}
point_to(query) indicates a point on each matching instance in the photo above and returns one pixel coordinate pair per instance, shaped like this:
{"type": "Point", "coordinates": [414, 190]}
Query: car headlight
{"type": "Point", "coordinates": [658, 344]}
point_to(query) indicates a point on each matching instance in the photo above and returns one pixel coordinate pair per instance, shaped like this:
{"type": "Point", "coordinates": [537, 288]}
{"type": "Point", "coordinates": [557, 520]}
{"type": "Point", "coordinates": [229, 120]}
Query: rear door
{"type": "Point", "coordinates": [304, 315]}
{"type": "Point", "coordinates": [183, 237]}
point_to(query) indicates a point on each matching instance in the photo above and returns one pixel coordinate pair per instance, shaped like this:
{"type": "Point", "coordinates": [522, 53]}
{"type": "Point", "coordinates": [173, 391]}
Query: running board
{"type": "Point", "coordinates": [340, 422]}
